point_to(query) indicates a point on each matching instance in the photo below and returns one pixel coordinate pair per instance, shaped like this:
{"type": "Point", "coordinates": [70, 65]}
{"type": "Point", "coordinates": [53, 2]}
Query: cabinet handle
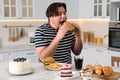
{"type": "Point", "coordinates": [99, 50]}
{"type": "Point", "coordinates": [30, 53]}
{"type": "Point", "coordinates": [85, 48]}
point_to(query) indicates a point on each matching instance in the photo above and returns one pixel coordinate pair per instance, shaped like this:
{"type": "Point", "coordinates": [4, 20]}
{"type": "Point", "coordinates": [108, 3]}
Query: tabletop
{"type": "Point", "coordinates": [39, 73]}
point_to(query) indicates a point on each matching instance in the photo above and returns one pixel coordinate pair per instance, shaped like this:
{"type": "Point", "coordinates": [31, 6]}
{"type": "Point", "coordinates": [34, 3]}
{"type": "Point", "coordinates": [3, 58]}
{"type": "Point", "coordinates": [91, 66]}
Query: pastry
{"type": "Point", "coordinates": [108, 71]}
{"type": "Point", "coordinates": [98, 67]}
{"type": "Point", "coordinates": [98, 70]}
{"type": "Point", "coordinates": [66, 71]}
{"type": "Point", "coordinates": [89, 67]}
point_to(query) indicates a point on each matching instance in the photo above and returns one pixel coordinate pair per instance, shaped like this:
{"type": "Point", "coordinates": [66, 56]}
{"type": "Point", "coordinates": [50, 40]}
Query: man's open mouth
{"type": "Point", "coordinates": [62, 22]}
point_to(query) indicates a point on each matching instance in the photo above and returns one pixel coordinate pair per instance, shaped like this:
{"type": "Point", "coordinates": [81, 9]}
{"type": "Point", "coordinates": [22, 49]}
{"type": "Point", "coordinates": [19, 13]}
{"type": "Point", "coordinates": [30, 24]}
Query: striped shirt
{"type": "Point", "coordinates": [44, 35]}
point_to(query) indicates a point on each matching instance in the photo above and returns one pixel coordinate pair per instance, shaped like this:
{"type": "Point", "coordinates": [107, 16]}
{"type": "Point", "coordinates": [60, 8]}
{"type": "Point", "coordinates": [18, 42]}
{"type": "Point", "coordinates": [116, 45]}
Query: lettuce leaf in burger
{"type": "Point", "coordinates": [48, 61]}
{"type": "Point", "coordinates": [72, 28]}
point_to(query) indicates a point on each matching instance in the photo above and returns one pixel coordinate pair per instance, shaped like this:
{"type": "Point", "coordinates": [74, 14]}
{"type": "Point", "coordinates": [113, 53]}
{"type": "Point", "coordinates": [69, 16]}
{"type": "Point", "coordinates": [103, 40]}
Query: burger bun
{"type": "Point", "coordinates": [48, 61]}
{"type": "Point", "coordinates": [72, 27]}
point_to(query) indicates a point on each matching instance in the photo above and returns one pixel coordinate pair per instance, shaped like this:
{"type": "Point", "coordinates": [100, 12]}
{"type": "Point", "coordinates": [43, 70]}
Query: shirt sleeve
{"type": "Point", "coordinates": [39, 39]}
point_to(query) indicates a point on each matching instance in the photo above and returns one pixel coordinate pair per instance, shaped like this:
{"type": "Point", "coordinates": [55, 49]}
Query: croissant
{"type": "Point", "coordinates": [108, 71]}
{"type": "Point", "coordinates": [98, 67]}
{"type": "Point", "coordinates": [98, 71]}
{"type": "Point", "coordinates": [89, 67]}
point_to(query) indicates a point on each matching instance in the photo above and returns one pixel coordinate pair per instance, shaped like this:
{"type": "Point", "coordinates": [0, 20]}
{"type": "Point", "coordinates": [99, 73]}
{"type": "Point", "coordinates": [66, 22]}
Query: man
{"type": "Point", "coordinates": [53, 39]}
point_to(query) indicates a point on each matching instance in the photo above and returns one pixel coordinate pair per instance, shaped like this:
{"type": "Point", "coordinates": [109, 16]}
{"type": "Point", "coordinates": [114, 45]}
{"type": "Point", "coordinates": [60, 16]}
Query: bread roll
{"type": "Point", "coordinates": [98, 67]}
{"type": "Point", "coordinates": [98, 70]}
{"type": "Point", "coordinates": [90, 67]}
{"type": "Point", "coordinates": [108, 71]}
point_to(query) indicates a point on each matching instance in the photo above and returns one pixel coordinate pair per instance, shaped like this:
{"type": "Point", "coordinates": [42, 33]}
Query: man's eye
{"type": "Point", "coordinates": [62, 13]}
{"type": "Point", "coordinates": [59, 13]}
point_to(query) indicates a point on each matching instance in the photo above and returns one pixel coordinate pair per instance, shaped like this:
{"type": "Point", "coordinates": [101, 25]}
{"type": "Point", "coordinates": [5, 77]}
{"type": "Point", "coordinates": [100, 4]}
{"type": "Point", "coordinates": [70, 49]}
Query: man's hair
{"type": "Point", "coordinates": [52, 9]}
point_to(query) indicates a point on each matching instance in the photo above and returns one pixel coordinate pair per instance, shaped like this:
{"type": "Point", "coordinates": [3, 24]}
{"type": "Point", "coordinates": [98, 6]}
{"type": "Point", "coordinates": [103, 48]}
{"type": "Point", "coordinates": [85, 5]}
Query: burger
{"type": "Point", "coordinates": [72, 28]}
{"type": "Point", "coordinates": [48, 61]}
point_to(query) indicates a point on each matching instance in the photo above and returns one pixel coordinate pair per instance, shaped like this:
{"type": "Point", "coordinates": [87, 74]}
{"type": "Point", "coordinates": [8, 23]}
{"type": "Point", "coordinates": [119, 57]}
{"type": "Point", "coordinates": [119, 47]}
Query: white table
{"type": "Point", "coordinates": [39, 73]}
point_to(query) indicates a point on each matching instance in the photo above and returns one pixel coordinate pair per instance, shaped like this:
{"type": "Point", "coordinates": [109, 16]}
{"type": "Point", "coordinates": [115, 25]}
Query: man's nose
{"type": "Point", "coordinates": [63, 15]}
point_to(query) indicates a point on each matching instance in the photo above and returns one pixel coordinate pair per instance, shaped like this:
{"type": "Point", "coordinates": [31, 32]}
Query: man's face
{"type": "Point", "coordinates": [61, 17]}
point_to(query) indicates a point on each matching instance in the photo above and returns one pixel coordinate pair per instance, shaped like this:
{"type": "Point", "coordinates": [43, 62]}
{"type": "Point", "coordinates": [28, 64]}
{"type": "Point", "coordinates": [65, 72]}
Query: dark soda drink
{"type": "Point", "coordinates": [78, 63]}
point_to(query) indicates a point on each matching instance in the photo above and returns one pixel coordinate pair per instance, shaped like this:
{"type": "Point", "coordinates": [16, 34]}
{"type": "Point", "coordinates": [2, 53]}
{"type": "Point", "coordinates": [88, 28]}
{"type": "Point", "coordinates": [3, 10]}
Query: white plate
{"type": "Point", "coordinates": [75, 76]}
{"type": "Point", "coordinates": [48, 68]}
{"type": "Point", "coordinates": [52, 69]}
{"type": "Point", "coordinates": [25, 73]}
{"type": "Point", "coordinates": [89, 78]}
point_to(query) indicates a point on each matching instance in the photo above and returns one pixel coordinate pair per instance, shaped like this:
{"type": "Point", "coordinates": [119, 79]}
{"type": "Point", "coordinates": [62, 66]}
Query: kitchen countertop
{"type": "Point", "coordinates": [24, 47]}
{"type": "Point", "coordinates": [103, 46]}
{"type": "Point", "coordinates": [14, 48]}
{"type": "Point", "coordinates": [40, 73]}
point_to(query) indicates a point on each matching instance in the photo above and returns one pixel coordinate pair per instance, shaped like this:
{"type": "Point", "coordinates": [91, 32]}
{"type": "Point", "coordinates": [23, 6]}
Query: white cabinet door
{"type": "Point", "coordinates": [85, 9]}
{"type": "Point", "coordinates": [87, 55]}
{"type": "Point", "coordinates": [114, 0]}
{"type": "Point", "coordinates": [10, 55]}
{"type": "Point", "coordinates": [115, 6]}
{"type": "Point", "coordinates": [1, 56]}
{"type": "Point", "coordinates": [93, 55]}
{"type": "Point", "coordinates": [40, 8]}
{"type": "Point", "coordinates": [101, 9]}
{"type": "Point", "coordinates": [17, 9]}
{"type": "Point", "coordinates": [72, 7]}
{"type": "Point", "coordinates": [100, 56]}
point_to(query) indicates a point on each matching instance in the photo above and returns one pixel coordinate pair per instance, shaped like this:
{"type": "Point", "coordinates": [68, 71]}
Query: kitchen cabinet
{"type": "Point", "coordinates": [87, 56]}
{"type": "Point", "coordinates": [17, 9]}
{"type": "Point", "coordinates": [114, 0]}
{"type": "Point", "coordinates": [100, 56]}
{"type": "Point", "coordinates": [40, 8]}
{"type": "Point", "coordinates": [10, 55]}
{"type": "Point", "coordinates": [72, 7]}
{"type": "Point", "coordinates": [93, 55]}
{"type": "Point", "coordinates": [85, 9]}
{"type": "Point", "coordinates": [115, 10]}
{"type": "Point", "coordinates": [94, 9]}
{"type": "Point", "coordinates": [34, 9]}
{"type": "Point", "coordinates": [29, 54]}
{"type": "Point", "coordinates": [101, 9]}
{"type": "Point", "coordinates": [1, 57]}
{"type": "Point", "coordinates": [79, 9]}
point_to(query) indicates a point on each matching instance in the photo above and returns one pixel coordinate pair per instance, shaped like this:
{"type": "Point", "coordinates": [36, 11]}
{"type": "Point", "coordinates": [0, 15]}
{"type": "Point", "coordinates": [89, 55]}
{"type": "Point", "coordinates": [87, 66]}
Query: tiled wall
{"type": "Point", "coordinates": [100, 28]}
{"type": "Point", "coordinates": [4, 32]}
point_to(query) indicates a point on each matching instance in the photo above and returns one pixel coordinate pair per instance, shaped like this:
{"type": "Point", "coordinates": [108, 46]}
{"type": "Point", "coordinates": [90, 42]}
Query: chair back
{"type": "Point", "coordinates": [115, 61]}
